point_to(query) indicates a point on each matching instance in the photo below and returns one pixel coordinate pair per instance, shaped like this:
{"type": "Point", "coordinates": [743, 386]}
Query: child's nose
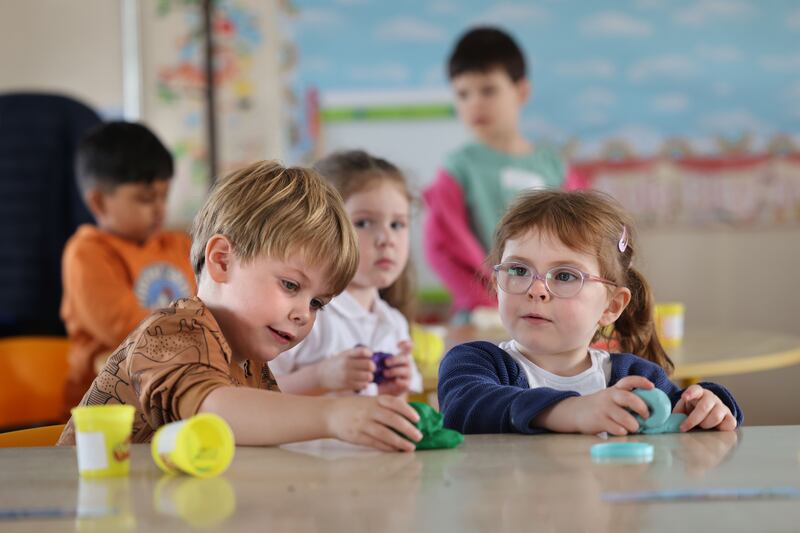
{"type": "Point", "coordinates": [538, 290]}
{"type": "Point", "coordinates": [383, 237]}
{"type": "Point", "coordinates": [300, 314]}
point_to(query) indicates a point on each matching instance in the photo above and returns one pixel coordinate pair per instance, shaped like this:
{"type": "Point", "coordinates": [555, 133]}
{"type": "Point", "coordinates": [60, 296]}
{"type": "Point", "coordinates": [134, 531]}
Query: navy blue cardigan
{"type": "Point", "coordinates": [482, 389]}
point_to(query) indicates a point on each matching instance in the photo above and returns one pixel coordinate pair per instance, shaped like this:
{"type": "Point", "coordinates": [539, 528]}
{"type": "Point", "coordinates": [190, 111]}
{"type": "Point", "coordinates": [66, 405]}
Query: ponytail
{"type": "Point", "coordinates": [636, 327]}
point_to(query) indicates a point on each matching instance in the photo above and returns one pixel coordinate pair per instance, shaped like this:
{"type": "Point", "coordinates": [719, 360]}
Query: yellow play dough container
{"type": "Point", "coordinates": [202, 446]}
{"type": "Point", "coordinates": [669, 323]}
{"type": "Point", "coordinates": [103, 439]}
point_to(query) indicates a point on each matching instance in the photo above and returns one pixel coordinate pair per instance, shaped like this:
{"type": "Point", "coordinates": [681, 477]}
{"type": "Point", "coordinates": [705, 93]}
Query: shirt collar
{"type": "Point", "coordinates": [348, 306]}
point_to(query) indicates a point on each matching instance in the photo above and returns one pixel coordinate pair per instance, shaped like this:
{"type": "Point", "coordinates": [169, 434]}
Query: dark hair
{"type": "Point", "coordinates": [352, 171]}
{"type": "Point", "coordinates": [116, 153]}
{"type": "Point", "coordinates": [484, 48]}
{"type": "Point", "coordinates": [592, 222]}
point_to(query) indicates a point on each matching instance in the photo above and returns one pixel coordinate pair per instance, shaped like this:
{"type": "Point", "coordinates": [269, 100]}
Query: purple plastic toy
{"type": "Point", "coordinates": [379, 358]}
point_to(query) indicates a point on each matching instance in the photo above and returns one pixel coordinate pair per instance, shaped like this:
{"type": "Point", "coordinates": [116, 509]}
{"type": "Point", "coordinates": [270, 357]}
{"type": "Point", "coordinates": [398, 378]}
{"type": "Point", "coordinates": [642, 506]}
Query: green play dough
{"type": "Point", "coordinates": [434, 436]}
{"type": "Point", "coordinates": [661, 419]}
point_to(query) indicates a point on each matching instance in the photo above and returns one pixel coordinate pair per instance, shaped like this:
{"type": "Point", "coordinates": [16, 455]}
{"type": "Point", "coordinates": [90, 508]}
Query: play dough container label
{"type": "Point", "coordinates": [201, 446]}
{"type": "Point", "coordinates": [103, 439]}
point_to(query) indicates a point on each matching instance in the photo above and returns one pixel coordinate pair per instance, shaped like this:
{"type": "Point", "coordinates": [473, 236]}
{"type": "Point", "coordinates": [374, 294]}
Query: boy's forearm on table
{"type": "Point", "coordinates": [266, 418]}
{"type": "Point", "coordinates": [303, 381]}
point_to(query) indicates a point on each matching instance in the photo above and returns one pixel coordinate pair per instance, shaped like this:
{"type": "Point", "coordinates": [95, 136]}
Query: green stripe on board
{"type": "Point", "coordinates": [393, 112]}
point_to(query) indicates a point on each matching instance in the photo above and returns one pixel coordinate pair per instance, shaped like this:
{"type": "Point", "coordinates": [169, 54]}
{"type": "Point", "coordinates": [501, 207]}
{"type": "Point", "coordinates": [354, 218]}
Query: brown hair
{"type": "Point", "coordinates": [353, 171]}
{"type": "Point", "coordinates": [592, 222]}
{"type": "Point", "coordinates": [266, 208]}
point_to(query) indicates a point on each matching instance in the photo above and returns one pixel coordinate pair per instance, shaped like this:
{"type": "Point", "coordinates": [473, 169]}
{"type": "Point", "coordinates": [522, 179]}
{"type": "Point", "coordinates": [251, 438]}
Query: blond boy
{"type": "Point", "coordinates": [270, 248]}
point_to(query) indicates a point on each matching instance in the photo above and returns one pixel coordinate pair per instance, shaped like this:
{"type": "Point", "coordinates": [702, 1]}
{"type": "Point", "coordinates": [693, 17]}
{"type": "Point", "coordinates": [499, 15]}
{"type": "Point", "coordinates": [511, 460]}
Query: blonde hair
{"type": "Point", "coordinates": [592, 222]}
{"type": "Point", "coordinates": [354, 171]}
{"type": "Point", "coordinates": [268, 209]}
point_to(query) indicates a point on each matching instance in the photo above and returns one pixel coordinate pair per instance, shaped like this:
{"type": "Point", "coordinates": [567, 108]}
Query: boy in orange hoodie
{"type": "Point", "coordinates": [117, 272]}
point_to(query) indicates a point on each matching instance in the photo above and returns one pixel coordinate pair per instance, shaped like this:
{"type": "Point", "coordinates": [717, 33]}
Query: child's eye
{"type": "Point", "coordinates": [290, 286]}
{"type": "Point", "coordinates": [317, 304]}
{"type": "Point", "coordinates": [564, 276]}
{"type": "Point", "coordinates": [517, 270]}
{"type": "Point", "coordinates": [398, 224]}
{"type": "Point", "coordinates": [362, 223]}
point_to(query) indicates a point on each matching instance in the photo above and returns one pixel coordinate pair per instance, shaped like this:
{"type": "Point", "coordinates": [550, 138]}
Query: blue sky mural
{"type": "Point", "coordinates": [640, 70]}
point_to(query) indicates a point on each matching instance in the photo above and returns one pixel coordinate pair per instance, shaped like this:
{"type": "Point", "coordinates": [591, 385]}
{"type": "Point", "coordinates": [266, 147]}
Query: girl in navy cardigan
{"type": "Point", "coordinates": [564, 273]}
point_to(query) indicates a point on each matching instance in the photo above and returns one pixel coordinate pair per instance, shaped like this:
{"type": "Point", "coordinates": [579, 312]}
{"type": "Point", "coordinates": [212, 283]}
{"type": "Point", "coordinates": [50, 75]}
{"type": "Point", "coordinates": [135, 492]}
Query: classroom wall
{"type": "Point", "coordinates": [738, 279]}
{"type": "Point", "coordinates": [72, 48]}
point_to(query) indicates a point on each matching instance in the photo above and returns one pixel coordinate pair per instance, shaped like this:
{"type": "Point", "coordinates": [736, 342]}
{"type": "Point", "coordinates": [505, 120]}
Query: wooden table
{"type": "Point", "coordinates": [490, 483]}
{"type": "Point", "coordinates": [704, 352]}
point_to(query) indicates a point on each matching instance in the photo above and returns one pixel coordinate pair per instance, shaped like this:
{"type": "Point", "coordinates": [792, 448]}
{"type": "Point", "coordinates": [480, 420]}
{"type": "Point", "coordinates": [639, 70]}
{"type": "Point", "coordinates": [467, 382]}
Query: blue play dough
{"type": "Point", "coordinates": [661, 420]}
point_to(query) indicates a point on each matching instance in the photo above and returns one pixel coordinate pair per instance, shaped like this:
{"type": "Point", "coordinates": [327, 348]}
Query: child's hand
{"type": "Point", "coordinates": [350, 370]}
{"type": "Point", "coordinates": [609, 409]}
{"type": "Point", "coordinates": [397, 375]}
{"type": "Point", "coordinates": [704, 408]}
{"type": "Point", "coordinates": [373, 422]}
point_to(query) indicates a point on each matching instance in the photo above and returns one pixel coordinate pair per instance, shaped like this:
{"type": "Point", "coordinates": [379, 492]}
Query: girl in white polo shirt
{"type": "Point", "coordinates": [372, 315]}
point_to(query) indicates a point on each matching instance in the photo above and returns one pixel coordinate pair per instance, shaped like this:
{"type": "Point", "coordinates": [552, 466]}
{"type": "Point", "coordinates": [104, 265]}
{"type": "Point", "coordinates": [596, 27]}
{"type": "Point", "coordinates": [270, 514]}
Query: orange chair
{"type": "Point", "coordinates": [31, 438]}
{"type": "Point", "coordinates": [32, 375]}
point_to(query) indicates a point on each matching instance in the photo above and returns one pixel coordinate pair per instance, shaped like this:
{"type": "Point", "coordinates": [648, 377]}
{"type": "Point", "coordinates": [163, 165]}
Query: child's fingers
{"type": "Point", "coordinates": [368, 440]}
{"type": "Point", "coordinates": [361, 365]}
{"type": "Point", "coordinates": [728, 423]}
{"type": "Point", "coordinates": [358, 352]}
{"type": "Point", "coordinates": [360, 378]}
{"type": "Point", "coordinates": [398, 360]}
{"type": "Point", "coordinates": [634, 382]}
{"type": "Point", "coordinates": [404, 347]}
{"type": "Point", "coordinates": [715, 417]}
{"type": "Point", "coordinates": [400, 407]}
{"type": "Point", "coordinates": [680, 407]}
{"type": "Point", "coordinates": [624, 419]}
{"type": "Point", "coordinates": [692, 393]}
{"type": "Point", "coordinates": [698, 414]}
{"type": "Point", "coordinates": [629, 400]}
{"type": "Point", "coordinates": [399, 423]}
{"type": "Point", "coordinates": [397, 372]}
{"type": "Point", "coordinates": [614, 428]}
{"type": "Point", "coordinates": [387, 436]}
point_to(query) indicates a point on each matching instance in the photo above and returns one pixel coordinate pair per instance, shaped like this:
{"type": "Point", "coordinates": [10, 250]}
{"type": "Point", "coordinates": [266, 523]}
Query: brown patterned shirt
{"type": "Point", "coordinates": [167, 367]}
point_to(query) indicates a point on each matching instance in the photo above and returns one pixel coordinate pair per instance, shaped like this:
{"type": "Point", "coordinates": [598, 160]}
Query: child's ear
{"type": "Point", "coordinates": [96, 202]}
{"type": "Point", "coordinates": [616, 305]}
{"type": "Point", "coordinates": [219, 255]}
{"type": "Point", "coordinates": [524, 90]}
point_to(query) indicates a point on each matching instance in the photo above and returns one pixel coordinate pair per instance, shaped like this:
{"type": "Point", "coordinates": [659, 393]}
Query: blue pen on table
{"type": "Point", "coordinates": [704, 494]}
{"type": "Point", "coordinates": [45, 513]}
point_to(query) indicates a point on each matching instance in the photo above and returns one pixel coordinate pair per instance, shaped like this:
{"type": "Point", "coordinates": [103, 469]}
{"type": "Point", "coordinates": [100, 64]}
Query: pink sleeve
{"type": "Point", "coordinates": [452, 250]}
{"type": "Point", "coordinates": [575, 180]}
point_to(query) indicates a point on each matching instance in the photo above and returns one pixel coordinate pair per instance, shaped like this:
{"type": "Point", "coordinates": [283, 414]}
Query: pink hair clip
{"type": "Point", "coordinates": [623, 240]}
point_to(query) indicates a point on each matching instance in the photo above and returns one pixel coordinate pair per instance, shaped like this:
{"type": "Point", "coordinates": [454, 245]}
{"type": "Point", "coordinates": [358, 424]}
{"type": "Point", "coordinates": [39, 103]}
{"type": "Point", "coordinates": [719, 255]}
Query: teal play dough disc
{"type": "Point", "coordinates": [659, 405]}
{"type": "Point", "coordinates": [640, 451]}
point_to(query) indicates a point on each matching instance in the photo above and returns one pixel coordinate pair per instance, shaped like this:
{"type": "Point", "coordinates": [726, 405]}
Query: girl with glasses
{"type": "Point", "coordinates": [564, 272]}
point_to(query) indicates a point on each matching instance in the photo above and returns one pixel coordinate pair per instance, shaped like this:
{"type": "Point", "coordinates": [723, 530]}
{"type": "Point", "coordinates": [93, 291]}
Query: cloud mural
{"type": "Point", "coordinates": [648, 70]}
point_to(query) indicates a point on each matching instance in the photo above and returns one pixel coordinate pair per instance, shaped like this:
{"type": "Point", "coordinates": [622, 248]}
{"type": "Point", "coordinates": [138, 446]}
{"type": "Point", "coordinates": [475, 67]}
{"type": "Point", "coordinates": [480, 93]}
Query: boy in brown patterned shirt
{"type": "Point", "coordinates": [270, 247]}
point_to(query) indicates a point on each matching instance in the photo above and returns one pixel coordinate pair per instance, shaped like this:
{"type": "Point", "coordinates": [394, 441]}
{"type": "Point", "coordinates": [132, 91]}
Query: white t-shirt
{"type": "Point", "coordinates": [343, 324]}
{"type": "Point", "coordinates": [589, 381]}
